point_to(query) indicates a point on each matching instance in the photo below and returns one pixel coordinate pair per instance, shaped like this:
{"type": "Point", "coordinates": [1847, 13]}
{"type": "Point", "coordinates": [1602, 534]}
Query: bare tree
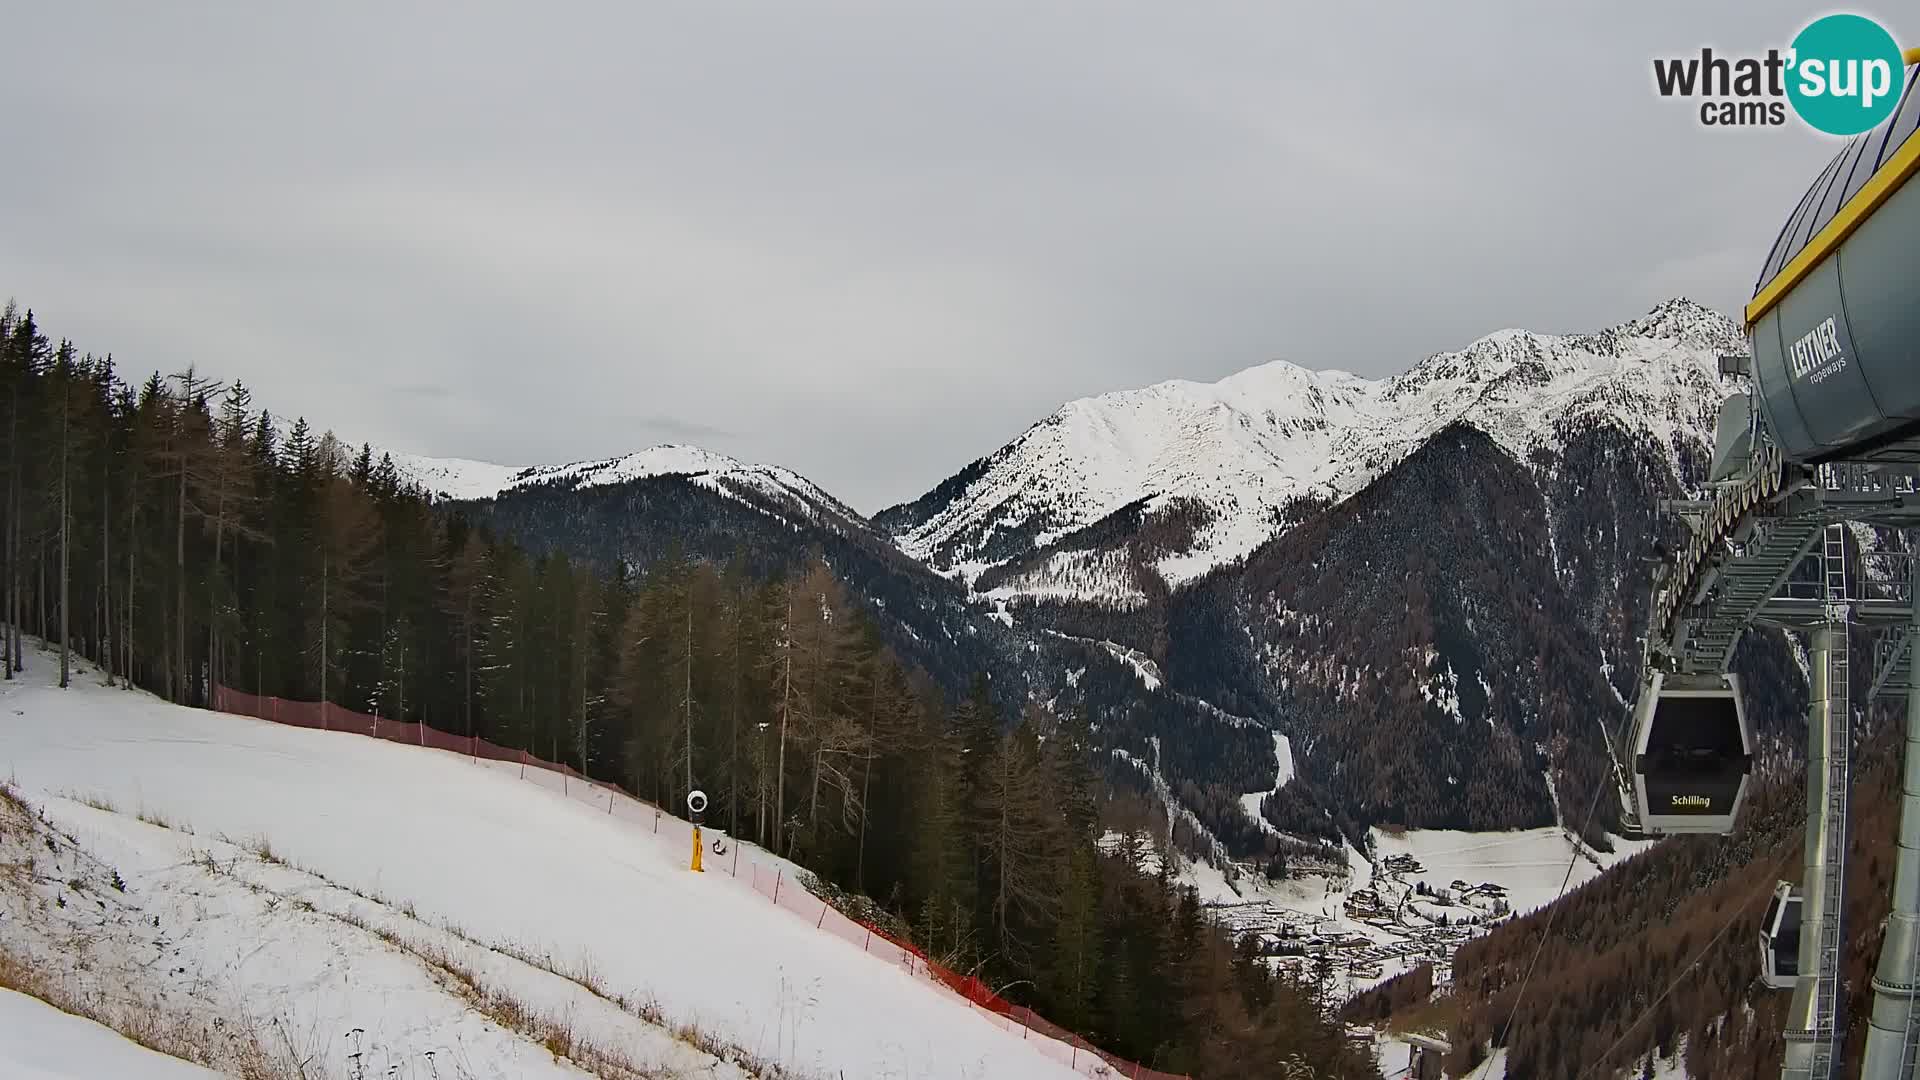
{"type": "Point", "coordinates": [465, 583]}
{"type": "Point", "coordinates": [63, 376]}
{"type": "Point", "coordinates": [348, 534]}
{"type": "Point", "coordinates": [224, 487]}
{"type": "Point", "coordinates": [1023, 841]}
{"type": "Point", "coordinates": [812, 658]}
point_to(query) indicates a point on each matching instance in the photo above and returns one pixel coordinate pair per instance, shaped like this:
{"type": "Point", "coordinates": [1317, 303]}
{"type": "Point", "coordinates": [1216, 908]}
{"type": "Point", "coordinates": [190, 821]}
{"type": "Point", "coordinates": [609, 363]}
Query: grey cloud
{"type": "Point", "coordinates": [868, 241]}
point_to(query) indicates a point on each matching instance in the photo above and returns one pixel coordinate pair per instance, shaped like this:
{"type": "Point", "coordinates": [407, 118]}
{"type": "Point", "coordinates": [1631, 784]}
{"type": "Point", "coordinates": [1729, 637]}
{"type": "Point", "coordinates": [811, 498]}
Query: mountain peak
{"type": "Point", "coordinates": [461, 478]}
{"type": "Point", "coordinates": [1689, 323]}
{"type": "Point", "coordinates": [665, 459]}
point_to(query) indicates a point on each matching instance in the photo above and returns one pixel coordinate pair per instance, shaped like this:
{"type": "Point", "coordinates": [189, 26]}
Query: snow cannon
{"type": "Point", "coordinates": [1693, 753]}
{"type": "Point", "coordinates": [1835, 317]}
{"type": "Point", "coordinates": [696, 806]}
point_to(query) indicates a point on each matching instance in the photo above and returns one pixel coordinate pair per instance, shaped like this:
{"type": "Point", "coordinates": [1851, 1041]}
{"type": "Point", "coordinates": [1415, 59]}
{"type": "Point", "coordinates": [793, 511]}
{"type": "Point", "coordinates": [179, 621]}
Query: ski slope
{"type": "Point", "coordinates": [1283, 761]}
{"type": "Point", "coordinates": [39, 1042]}
{"type": "Point", "coordinates": [428, 843]}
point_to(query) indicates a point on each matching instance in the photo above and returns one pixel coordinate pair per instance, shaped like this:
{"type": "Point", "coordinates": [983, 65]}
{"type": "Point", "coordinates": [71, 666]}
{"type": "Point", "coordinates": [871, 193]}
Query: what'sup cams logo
{"type": "Point", "coordinates": [1842, 75]}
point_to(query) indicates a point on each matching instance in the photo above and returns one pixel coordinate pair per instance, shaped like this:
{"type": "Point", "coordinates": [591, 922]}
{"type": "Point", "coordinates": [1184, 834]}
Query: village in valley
{"type": "Point", "coordinates": [1367, 923]}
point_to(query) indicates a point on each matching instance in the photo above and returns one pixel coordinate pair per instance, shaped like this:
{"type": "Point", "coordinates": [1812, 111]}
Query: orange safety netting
{"type": "Point", "coordinates": [770, 881]}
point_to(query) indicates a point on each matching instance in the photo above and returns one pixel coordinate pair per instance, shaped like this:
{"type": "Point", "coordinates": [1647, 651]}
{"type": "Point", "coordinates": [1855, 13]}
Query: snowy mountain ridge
{"type": "Point", "coordinates": [463, 479]}
{"type": "Point", "coordinates": [1235, 460]}
{"type": "Point", "coordinates": [1239, 450]}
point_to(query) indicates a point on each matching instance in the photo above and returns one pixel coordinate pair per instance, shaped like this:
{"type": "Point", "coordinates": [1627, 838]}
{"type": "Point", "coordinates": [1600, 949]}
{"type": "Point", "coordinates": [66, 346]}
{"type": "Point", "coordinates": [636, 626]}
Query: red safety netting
{"type": "Point", "coordinates": [772, 878]}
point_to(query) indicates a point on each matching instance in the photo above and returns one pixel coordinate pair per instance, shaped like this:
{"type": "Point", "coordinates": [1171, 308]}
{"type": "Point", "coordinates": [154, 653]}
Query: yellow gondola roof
{"type": "Point", "coordinates": [1865, 174]}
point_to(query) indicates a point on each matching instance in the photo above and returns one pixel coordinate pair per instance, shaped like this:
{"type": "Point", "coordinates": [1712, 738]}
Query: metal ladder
{"type": "Point", "coordinates": [1827, 1021]}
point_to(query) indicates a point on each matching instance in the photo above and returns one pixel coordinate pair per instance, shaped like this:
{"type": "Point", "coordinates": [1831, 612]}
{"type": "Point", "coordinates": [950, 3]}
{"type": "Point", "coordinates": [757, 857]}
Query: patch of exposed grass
{"type": "Point", "coordinates": [10, 796]}
{"type": "Point", "coordinates": [159, 820]}
{"type": "Point", "coordinates": [98, 802]}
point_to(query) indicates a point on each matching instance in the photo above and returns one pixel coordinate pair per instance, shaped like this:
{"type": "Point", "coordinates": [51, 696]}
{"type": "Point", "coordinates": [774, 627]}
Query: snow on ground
{"type": "Point", "coordinates": [39, 1042]}
{"type": "Point", "coordinates": [456, 478]}
{"type": "Point", "coordinates": [1143, 666]}
{"type": "Point", "coordinates": [1211, 884]}
{"type": "Point", "coordinates": [250, 952]}
{"type": "Point", "coordinates": [455, 844]}
{"type": "Point", "coordinates": [1392, 1055]}
{"type": "Point", "coordinates": [1372, 918]}
{"type": "Point", "coordinates": [1530, 864]}
{"type": "Point", "coordinates": [1674, 1068]}
{"type": "Point", "coordinates": [1283, 758]}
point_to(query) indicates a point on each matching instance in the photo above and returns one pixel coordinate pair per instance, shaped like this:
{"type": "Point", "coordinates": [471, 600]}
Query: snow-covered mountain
{"type": "Point", "coordinates": [462, 479]}
{"type": "Point", "coordinates": [1230, 458]}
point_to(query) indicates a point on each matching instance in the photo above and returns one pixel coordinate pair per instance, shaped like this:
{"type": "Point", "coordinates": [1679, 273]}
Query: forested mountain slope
{"type": "Point", "coordinates": [1453, 646]}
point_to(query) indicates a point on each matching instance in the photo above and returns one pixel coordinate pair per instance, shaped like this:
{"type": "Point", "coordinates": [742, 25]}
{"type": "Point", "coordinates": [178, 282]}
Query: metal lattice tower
{"type": "Point", "coordinates": [1815, 1021]}
{"type": "Point", "coordinates": [1839, 736]}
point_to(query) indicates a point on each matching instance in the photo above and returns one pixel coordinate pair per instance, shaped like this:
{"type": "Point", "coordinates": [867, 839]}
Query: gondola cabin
{"type": "Point", "coordinates": [1780, 939]}
{"type": "Point", "coordinates": [1693, 753]}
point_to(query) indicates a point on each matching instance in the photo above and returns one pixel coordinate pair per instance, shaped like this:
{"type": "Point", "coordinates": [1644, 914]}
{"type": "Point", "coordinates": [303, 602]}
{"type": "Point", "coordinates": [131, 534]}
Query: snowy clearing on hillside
{"type": "Point", "coordinates": [418, 844]}
{"type": "Point", "coordinates": [1142, 664]}
{"type": "Point", "coordinates": [39, 1042]}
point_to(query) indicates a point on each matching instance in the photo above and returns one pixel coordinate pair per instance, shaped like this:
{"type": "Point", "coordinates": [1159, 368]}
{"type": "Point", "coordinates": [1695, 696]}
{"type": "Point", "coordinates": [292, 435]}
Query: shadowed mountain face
{"type": "Point", "coordinates": [1452, 646]}
{"type": "Point", "coordinates": [1433, 583]}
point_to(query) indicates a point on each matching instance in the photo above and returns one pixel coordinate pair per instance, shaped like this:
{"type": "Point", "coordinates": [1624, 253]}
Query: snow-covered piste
{"type": "Point", "coordinates": [345, 895]}
{"type": "Point", "coordinates": [39, 1042]}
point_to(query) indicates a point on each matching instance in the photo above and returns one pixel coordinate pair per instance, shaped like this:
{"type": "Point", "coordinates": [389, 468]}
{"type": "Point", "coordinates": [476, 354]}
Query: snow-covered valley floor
{"type": "Point", "coordinates": [1424, 893]}
{"type": "Point", "coordinates": [366, 909]}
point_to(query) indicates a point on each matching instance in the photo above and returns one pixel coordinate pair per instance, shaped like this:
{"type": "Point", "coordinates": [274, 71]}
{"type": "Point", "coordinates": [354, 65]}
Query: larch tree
{"type": "Point", "coordinates": [1024, 840]}
{"type": "Point", "coordinates": [346, 538]}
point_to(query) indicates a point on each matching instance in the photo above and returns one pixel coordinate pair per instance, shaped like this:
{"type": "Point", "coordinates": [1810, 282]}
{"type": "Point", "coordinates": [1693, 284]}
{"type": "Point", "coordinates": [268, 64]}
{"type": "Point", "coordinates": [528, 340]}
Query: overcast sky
{"type": "Point", "coordinates": [870, 241]}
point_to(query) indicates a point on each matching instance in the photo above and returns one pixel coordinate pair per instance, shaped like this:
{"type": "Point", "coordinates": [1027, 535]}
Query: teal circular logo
{"type": "Point", "coordinates": [1845, 75]}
